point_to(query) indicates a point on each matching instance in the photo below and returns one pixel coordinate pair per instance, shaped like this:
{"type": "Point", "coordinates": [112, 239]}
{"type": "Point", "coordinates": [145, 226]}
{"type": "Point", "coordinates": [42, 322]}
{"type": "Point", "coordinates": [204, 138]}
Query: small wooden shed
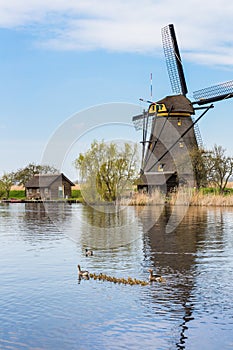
{"type": "Point", "coordinates": [48, 187]}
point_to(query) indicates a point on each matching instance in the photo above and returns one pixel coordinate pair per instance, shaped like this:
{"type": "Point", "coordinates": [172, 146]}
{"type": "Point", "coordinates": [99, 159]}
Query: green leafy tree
{"type": "Point", "coordinates": [21, 176]}
{"type": "Point", "coordinates": [107, 171]}
{"type": "Point", "coordinates": [190, 166]}
{"type": "Point", "coordinates": [219, 167]}
{"type": "Point", "coordinates": [2, 191]}
{"type": "Point", "coordinates": [6, 181]}
{"type": "Point", "coordinates": [198, 159]}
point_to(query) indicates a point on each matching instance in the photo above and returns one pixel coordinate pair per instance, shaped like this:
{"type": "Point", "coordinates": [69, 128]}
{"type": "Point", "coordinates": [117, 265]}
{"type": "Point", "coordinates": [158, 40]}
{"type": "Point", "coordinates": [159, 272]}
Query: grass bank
{"type": "Point", "coordinates": [17, 194]}
{"type": "Point", "coordinates": [20, 194]}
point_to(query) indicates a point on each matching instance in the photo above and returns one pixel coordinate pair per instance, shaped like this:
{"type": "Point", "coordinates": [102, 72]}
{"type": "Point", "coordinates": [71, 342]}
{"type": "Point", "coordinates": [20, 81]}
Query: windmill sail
{"type": "Point", "coordinates": [214, 93]}
{"type": "Point", "coordinates": [173, 60]}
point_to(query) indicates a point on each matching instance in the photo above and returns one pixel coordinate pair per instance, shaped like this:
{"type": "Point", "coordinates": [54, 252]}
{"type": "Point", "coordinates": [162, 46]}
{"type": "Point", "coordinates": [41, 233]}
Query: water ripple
{"type": "Point", "coordinates": [45, 306]}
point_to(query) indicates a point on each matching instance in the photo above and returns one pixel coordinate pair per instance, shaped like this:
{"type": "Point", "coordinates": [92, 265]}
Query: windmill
{"type": "Point", "coordinates": [169, 130]}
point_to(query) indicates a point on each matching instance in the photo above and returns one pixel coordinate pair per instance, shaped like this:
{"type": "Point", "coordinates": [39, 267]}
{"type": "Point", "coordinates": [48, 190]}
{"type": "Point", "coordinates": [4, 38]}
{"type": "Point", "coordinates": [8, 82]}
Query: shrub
{"type": "Point", "coordinates": [18, 194]}
{"type": "Point", "coordinates": [76, 194]}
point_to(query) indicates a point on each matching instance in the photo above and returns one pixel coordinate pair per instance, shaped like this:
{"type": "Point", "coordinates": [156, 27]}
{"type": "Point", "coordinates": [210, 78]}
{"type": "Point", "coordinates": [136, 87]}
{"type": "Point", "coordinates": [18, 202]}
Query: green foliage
{"type": "Point", "coordinates": [18, 194]}
{"type": "Point", "coordinates": [199, 167]}
{"type": "Point", "coordinates": [107, 171]}
{"type": "Point", "coordinates": [2, 192]}
{"type": "Point", "coordinates": [76, 194]}
{"type": "Point", "coordinates": [216, 190]}
{"type": "Point", "coordinates": [6, 182]}
{"type": "Point", "coordinates": [208, 190]}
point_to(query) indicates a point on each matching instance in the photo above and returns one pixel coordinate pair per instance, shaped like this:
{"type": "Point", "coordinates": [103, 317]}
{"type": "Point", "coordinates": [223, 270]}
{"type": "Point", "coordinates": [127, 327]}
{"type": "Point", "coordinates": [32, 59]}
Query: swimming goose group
{"type": "Point", "coordinates": [86, 275]}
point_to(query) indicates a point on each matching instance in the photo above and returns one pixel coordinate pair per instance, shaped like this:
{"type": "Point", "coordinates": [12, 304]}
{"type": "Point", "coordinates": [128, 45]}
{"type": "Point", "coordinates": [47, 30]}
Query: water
{"type": "Point", "coordinates": [44, 305]}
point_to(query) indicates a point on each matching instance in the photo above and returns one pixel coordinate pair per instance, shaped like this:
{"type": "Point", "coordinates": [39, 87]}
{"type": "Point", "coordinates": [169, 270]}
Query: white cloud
{"type": "Point", "coordinates": [204, 28]}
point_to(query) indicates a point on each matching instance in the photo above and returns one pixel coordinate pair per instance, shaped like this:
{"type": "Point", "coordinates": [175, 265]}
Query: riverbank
{"type": "Point", "coordinates": [185, 196]}
{"type": "Point", "coordinates": [13, 200]}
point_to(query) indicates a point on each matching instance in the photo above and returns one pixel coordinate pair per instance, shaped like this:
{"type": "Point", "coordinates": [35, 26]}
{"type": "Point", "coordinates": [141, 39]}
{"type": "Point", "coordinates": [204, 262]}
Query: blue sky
{"type": "Point", "coordinates": [58, 58]}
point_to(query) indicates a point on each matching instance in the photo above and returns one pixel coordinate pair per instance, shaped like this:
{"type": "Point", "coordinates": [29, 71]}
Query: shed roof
{"type": "Point", "coordinates": [45, 180]}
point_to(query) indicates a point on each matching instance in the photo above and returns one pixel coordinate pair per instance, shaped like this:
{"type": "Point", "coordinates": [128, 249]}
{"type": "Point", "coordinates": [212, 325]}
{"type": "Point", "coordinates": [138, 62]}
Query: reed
{"type": "Point", "coordinates": [140, 199]}
{"type": "Point", "coordinates": [184, 196]}
{"type": "Point", "coordinates": [211, 199]}
{"type": "Point", "coordinates": [194, 197]}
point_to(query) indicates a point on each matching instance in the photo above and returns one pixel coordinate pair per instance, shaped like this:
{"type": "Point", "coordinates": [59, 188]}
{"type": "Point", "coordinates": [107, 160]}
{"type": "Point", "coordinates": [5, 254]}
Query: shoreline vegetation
{"type": "Point", "coordinates": [184, 196]}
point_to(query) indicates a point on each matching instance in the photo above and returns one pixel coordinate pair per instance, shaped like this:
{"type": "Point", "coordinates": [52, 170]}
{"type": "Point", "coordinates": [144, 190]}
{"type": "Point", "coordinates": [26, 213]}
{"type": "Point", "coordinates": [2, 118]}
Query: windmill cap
{"type": "Point", "coordinates": [177, 104]}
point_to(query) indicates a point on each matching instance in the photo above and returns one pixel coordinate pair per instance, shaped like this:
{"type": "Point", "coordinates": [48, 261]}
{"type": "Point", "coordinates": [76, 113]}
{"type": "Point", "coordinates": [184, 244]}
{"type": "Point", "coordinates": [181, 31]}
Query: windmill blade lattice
{"type": "Point", "coordinates": [139, 120]}
{"type": "Point", "coordinates": [214, 93]}
{"type": "Point", "coordinates": [173, 60]}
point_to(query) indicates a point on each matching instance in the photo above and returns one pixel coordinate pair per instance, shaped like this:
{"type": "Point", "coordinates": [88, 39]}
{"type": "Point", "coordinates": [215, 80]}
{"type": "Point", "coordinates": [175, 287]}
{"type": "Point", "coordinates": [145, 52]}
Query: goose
{"type": "Point", "coordinates": [82, 273]}
{"type": "Point", "coordinates": [153, 277]}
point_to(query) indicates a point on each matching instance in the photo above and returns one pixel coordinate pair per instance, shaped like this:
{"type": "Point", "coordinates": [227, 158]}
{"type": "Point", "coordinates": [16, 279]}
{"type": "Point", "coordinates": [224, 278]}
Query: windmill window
{"type": "Point", "coordinates": [159, 107]}
{"type": "Point", "coordinates": [179, 122]}
{"type": "Point", "coordinates": [161, 167]}
{"type": "Point", "coordinates": [152, 108]}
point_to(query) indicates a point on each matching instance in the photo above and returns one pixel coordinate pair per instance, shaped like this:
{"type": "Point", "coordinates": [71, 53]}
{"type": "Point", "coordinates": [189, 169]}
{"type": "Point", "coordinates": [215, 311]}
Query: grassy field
{"type": "Point", "coordinates": [20, 194]}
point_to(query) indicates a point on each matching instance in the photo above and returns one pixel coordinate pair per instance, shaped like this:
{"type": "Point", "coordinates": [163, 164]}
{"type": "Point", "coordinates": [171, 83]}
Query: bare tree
{"type": "Point", "coordinates": [219, 167]}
